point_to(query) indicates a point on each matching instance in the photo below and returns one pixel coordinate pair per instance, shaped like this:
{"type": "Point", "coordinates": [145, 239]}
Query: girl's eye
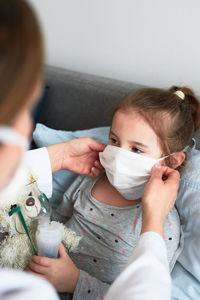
{"type": "Point", "coordinates": [113, 141]}
{"type": "Point", "coordinates": [136, 150]}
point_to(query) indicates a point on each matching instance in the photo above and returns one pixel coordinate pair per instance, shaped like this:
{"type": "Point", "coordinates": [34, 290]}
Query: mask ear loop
{"type": "Point", "coordinates": [194, 143]}
{"type": "Point", "coordinates": [192, 146]}
{"type": "Point", "coordinates": [184, 150]}
{"type": "Point", "coordinates": [10, 136]}
{"type": "Point", "coordinates": [164, 157]}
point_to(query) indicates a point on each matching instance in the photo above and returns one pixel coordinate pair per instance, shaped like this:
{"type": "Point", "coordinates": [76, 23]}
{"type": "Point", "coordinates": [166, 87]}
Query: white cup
{"type": "Point", "coordinates": [48, 238]}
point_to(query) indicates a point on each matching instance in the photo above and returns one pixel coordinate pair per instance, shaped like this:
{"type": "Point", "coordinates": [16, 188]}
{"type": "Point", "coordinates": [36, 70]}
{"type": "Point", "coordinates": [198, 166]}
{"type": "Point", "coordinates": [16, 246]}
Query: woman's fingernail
{"type": "Point", "coordinates": [158, 165]}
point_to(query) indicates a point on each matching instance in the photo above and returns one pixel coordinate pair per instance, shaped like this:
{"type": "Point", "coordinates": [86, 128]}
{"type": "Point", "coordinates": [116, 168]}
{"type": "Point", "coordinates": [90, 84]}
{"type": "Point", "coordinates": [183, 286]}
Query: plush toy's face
{"type": "Point", "coordinates": [30, 206]}
{"type": "Point", "coordinates": [31, 202]}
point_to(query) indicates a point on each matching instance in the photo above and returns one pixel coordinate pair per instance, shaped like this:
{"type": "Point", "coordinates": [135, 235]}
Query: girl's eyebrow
{"type": "Point", "coordinates": [132, 142]}
{"type": "Point", "coordinates": [111, 132]}
{"type": "Point", "coordinates": [138, 144]}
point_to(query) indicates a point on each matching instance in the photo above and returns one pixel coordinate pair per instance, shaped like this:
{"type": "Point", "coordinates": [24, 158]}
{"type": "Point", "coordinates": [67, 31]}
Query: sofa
{"type": "Point", "coordinates": [80, 101]}
{"type": "Point", "coordinates": [74, 101]}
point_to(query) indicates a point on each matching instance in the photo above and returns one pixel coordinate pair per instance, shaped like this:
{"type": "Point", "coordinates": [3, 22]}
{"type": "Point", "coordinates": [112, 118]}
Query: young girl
{"type": "Point", "coordinates": [150, 126]}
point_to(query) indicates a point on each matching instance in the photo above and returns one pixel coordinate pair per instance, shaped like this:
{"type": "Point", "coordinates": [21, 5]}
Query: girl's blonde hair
{"type": "Point", "coordinates": [172, 118]}
{"type": "Point", "coordinates": [21, 56]}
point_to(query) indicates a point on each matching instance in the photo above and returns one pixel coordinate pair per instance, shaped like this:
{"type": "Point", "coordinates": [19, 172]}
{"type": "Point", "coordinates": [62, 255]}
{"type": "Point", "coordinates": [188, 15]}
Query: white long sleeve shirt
{"type": "Point", "coordinates": [39, 163]}
{"type": "Point", "coordinates": [17, 285]}
{"type": "Point", "coordinates": [146, 275]}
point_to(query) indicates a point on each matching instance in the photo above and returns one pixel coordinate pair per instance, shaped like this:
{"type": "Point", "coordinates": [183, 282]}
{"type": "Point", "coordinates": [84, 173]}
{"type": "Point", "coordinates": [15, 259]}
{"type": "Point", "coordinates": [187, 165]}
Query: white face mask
{"type": "Point", "coordinates": [128, 172]}
{"type": "Point", "coordinates": [11, 191]}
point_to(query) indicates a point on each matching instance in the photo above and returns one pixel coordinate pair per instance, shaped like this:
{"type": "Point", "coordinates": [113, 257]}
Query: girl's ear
{"type": "Point", "coordinates": [177, 159]}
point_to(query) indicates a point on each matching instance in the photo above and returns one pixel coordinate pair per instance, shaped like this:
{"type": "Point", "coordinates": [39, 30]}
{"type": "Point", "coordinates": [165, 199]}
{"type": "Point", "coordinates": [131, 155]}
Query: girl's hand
{"type": "Point", "coordinates": [61, 272]}
{"type": "Point", "coordinates": [159, 197]}
{"type": "Point", "coordinates": [79, 156]}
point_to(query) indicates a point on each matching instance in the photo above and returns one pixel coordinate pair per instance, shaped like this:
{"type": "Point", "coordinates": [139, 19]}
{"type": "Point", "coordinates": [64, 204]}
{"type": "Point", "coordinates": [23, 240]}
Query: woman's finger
{"type": "Point", "coordinates": [95, 171]}
{"type": "Point", "coordinates": [172, 177]}
{"type": "Point", "coordinates": [96, 146]}
{"type": "Point", "coordinates": [158, 171]}
{"type": "Point", "coordinates": [98, 165]}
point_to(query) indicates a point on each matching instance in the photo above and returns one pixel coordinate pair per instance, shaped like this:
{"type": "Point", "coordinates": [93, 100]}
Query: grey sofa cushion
{"type": "Point", "coordinates": [80, 101]}
{"type": "Point", "coordinates": [197, 138]}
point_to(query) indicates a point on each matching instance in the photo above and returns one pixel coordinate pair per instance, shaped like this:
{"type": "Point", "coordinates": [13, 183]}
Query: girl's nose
{"type": "Point", "coordinates": [125, 147]}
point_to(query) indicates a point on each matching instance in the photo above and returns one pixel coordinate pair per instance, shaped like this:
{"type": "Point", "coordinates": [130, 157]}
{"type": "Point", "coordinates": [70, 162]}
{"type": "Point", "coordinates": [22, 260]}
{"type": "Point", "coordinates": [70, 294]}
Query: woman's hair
{"type": "Point", "coordinates": [21, 57]}
{"type": "Point", "coordinates": [172, 118]}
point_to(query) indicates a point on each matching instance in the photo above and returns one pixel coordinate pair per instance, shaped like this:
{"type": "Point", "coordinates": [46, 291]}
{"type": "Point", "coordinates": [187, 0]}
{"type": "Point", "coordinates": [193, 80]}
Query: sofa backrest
{"type": "Point", "coordinates": [81, 101]}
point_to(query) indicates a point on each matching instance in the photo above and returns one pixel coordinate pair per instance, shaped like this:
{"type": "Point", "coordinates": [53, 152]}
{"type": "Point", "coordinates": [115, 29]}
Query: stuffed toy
{"type": "Point", "coordinates": [18, 225]}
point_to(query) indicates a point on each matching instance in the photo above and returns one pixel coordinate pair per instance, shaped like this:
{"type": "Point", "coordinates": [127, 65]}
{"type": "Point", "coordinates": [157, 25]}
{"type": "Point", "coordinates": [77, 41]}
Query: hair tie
{"type": "Point", "coordinates": [180, 94]}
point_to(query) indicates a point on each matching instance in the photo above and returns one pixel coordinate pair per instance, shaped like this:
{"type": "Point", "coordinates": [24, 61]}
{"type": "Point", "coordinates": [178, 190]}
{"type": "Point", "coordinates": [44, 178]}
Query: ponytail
{"type": "Point", "coordinates": [190, 102]}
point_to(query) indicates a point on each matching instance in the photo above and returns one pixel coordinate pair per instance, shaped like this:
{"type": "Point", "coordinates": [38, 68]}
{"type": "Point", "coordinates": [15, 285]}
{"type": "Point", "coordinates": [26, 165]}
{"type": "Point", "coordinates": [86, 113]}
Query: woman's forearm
{"type": "Point", "coordinates": [153, 225]}
{"type": "Point", "coordinates": [158, 198]}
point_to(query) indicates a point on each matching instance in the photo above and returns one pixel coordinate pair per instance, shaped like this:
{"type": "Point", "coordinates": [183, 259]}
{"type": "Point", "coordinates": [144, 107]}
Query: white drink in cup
{"type": "Point", "coordinates": [48, 237]}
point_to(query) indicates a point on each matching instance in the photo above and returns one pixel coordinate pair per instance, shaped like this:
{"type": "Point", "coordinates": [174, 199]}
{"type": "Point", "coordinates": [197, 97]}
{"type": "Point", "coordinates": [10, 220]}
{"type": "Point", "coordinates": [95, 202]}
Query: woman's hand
{"type": "Point", "coordinates": [79, 156]}
{"type": "Point", "coordinates": [159, 197]}
{"type": "Point", "coordinates": [61, 272]}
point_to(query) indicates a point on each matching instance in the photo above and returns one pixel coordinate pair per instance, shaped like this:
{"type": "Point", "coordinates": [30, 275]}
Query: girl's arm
{"type": "Point", "coordinates": [146, 275]}
{"type": "Point", "coordinates": [66, 277]}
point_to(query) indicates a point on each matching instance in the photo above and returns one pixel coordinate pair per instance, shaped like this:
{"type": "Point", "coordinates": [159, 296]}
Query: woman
{"type": "Point", "coordinates": [21, 58]}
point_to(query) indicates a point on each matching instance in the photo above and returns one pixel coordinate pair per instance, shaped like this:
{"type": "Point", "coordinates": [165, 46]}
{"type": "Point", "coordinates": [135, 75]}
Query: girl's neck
{"type": "Point", "coordinates": [104, 192]}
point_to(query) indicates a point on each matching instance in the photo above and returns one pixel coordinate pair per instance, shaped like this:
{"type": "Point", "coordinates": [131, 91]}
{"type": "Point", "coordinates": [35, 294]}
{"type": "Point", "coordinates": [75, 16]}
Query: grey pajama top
{"type": "Point", "coordinates": [109, 235]}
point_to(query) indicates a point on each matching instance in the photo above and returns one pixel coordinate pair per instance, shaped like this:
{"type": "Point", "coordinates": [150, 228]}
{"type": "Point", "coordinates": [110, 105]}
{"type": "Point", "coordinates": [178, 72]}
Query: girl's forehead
{"type": "Point", "coordinates": [131, 126]}
{"type": "Point", "coordinates": [129, 119]}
